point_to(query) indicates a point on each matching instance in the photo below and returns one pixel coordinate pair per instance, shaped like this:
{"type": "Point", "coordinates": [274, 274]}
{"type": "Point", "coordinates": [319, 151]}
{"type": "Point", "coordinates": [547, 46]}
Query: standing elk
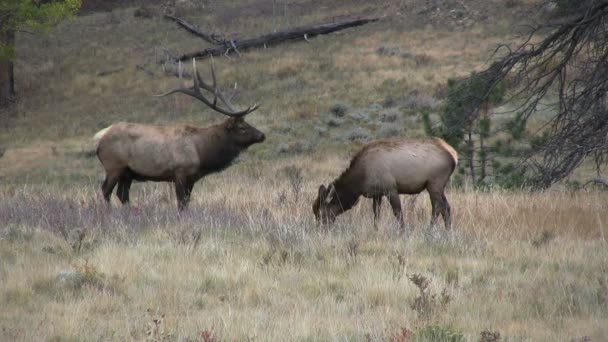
{"type": "Point", "coordinates": [390, 168]}
{"type": "Point", "coordinates": [180, 154]}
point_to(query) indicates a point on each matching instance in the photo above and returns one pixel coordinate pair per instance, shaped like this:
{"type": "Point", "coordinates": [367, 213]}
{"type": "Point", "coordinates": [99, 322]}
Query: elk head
{"type": "Point", "coordinates": [239, 131]}
{"type": "Point", "coordinates": [242, 133]}
{"type": "Point", "coordinates": [326, 206]}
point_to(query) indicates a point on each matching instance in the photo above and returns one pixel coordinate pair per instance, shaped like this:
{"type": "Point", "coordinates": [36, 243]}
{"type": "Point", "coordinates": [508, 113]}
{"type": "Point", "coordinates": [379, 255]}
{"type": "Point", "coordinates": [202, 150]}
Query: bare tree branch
{"type": "Point", "coordinates": [565, 72]}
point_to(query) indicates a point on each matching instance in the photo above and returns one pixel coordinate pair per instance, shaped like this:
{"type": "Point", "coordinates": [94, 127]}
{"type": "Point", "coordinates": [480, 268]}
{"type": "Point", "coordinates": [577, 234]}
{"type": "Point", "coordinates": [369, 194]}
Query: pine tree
{"type": "Point", "coordinates": [16, 15]}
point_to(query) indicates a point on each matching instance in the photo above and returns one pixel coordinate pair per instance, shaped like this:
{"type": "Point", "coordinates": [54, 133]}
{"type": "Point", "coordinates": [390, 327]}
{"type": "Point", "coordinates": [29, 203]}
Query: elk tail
{"type": "Point", "coordinates": [100, 134]}
{"type": "Point", "coordinates": [449, 149]}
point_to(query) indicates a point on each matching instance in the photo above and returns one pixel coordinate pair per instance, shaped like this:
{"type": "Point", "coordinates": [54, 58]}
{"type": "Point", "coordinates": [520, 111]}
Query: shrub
{"type": "Point", "coordinates": [427, 304]}
{"type": "Point", "coordinates": [334, 122]}
{"type": "Point", "coordinates": [438, 333]}
{"type": "Point", "coordinates": [416, 100]}
{"type": "Point", "coordinates": [358, 134]}
{"type": "Point", "coordinates": [389, 131]}
{"type": "Point", "coordinates": [390, 115]}
{"type": "Point", "coordinates": [390, 51]}
{"type": "Point", "coordinates": [489, 336]}
{"type": "Point", "coordinates": [339, 109]}
{"type": "Point", "coordinates": [361, 116]}
{"type": "Point", "coordinates": [295, 178]}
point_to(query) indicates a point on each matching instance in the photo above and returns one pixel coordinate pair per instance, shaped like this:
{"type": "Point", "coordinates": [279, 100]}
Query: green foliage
{"type": "Point", "coordinates": [516, 127]}
{"type": "Point", "coordinates": [339, 109]}
{"type": "Point", "coordinates": [484, 127]}
{"type": "Point", "coordinates": [568, 6]}
{"type": "Point", "coordinates": [465, 123]}
{"type": "Point", "coordinates": [438, 333]}
{"type": "Point", "coordinates": [32, 14]}
{"type": "Point", "coordinates": [539, 140]}
{"type": "Point", "coordinates": [427, 124]}
{"type": "Point", "coordinates": [509, 176]}
{"type": "Point", "coordinates": [461, 105]}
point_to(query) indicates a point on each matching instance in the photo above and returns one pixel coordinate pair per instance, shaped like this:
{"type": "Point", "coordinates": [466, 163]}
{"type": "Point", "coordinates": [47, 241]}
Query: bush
{"type": "Point", "coordinates": [389, 131]}
{"type": "Point", "coordinates": [334, 122]}
{"type": "Point", "coordinates": [361, 116]}
{"type": "Point", "coordinates": [390, 51]}
{"type": "Point", "coordinates": [389, 115]}
{"type": "Point", "coordinates": [358, 134]}
{"type": "Point", "coordinates": [419, 101]}
{"type": "Point", "coordinates": [427, 304]}
{"type": "Point", "coordinates": [339, 109]}
{"type": "Point", "coordinates": [438, 333]}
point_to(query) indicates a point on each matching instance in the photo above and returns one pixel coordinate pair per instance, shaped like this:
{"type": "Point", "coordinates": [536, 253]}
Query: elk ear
{"type": "Point", "coordinates": [331, 192]}
{"type": "Point", "coordinates": [322, 191]}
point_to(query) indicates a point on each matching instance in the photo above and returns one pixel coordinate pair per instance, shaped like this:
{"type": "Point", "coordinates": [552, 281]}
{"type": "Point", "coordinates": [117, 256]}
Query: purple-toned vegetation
{"type": "Point", "coordinates": [48, 212]}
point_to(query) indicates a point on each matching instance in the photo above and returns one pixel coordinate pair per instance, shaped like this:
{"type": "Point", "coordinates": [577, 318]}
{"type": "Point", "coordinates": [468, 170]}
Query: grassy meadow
{"type": "Point", "coordinates": [247, 262]}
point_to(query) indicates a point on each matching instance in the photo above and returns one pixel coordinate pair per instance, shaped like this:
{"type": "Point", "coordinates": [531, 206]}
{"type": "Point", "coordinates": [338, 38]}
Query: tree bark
{"type": "Point", "coordinates": [7, 81]}
{"type": "Point", "coordinates": [296, 33]}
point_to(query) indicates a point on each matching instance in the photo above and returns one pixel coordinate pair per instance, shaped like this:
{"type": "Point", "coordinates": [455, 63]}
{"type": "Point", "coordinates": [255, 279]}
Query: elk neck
{"type": "Point", "coordinates": [216, 149]}
{"type": "Point", "coordinates": [348, 188]}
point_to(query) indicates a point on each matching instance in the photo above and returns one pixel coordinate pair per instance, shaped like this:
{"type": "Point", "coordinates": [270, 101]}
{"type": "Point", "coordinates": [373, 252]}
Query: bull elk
{"type": "Point", "coordinates": [390, 168]}
{"type": "Point", "coordinates": [181, 154]}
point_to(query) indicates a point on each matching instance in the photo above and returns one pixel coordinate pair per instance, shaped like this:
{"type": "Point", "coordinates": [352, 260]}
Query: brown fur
{"type": "Point", "coordinates": [387, 168]}
{"type": "Point", "coordinates": [180, 154]}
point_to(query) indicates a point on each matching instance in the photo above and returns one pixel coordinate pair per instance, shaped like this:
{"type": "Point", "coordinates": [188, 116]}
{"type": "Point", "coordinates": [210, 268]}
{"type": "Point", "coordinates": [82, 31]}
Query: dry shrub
{"type": "Point", "coordinates": [427, 304]}
{"type": "Point", "coordinates": [489, 336]}
{"type": "Point", "coordinates": [403, 335]}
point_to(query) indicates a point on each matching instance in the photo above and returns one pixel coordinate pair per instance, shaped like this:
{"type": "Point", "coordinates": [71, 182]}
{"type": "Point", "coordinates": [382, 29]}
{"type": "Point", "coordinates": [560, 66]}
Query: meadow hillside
{"type": "Point", "coordinates": [329, 94]}
{"type": "Point", "coordinates": [247, 262]}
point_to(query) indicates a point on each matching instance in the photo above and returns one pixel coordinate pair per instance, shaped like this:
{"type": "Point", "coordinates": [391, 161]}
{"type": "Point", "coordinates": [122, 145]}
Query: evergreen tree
{"type": "Point", "coordinates": [16, 15]}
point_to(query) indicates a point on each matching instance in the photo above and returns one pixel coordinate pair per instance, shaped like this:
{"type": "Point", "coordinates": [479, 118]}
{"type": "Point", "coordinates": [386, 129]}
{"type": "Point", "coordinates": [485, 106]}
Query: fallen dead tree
{"type": "Point", "coordinates": [227, 46]}
{"type": "Point", "coordinates": [195, 30]}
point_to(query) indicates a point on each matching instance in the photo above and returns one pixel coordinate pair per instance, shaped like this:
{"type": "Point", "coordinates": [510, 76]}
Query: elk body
{"type": "Point", "coordinates": [180, 154]}
{"type": "Point", "coordinates": [388, 168]}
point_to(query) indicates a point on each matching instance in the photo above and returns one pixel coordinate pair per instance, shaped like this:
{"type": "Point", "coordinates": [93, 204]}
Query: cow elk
{"type": "Point", "coordinates": [181, 154]}
{"type": "Point", "coordinates": [388, 168]}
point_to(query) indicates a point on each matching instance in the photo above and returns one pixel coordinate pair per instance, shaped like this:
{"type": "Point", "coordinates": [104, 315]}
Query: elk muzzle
{"type": "Point", "coordinates": [261, 137]}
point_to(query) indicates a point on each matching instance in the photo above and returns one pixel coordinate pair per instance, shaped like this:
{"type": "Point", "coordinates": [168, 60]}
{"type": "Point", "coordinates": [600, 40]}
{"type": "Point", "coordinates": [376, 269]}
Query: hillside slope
{"type": "Point", "coordinates": [333, 92]}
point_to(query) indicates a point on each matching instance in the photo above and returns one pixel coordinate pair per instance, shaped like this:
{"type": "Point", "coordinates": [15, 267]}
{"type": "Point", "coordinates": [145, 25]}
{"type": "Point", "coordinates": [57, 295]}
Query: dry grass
{"type": "Point", "coordinates": [531, 266]}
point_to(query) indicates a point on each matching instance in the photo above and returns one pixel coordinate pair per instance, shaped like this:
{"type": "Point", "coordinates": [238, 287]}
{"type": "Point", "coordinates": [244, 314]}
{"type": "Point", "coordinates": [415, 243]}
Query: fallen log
{"type": "Point", "coordinates": [297, 33]}
{"type": "Point", "coordinates": [195, 30]}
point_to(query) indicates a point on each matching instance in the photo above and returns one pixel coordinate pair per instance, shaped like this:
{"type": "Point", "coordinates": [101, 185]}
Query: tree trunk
{"type": "Point", "coordinates": [7, 82]}
{"type": "Point", "coordinates": [471, 155]}
{"type": "Point", "coordinates": [482, 148]}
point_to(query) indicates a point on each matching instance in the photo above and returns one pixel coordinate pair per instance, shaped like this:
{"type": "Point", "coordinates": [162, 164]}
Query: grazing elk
{"type": "Point", "coordinates": [389, 168]}
{"type": "Point", "coordinates": [180, 154]}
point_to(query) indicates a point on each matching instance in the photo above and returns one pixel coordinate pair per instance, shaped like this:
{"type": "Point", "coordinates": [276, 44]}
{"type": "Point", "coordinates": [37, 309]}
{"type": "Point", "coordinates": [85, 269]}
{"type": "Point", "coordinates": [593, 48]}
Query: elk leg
{"type": "Point", "coordinates": [376, 207]}
{"type": "Point", "coordinates": [436, 206]}
{"type": "Point", "coordinates": [395, 202]}
{"type": "Point", "coordinates": [124, 184]}
{"type": "Point", "coordinates": [183, 189]}
{"type": "Point", "coordinates": [108, 185]}
{"type": "Point", "coordinates": [446, 213]}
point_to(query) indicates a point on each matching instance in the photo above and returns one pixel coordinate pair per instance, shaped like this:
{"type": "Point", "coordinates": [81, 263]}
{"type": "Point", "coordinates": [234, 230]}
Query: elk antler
{"type": "Point", "coordinates": [195, 91]}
